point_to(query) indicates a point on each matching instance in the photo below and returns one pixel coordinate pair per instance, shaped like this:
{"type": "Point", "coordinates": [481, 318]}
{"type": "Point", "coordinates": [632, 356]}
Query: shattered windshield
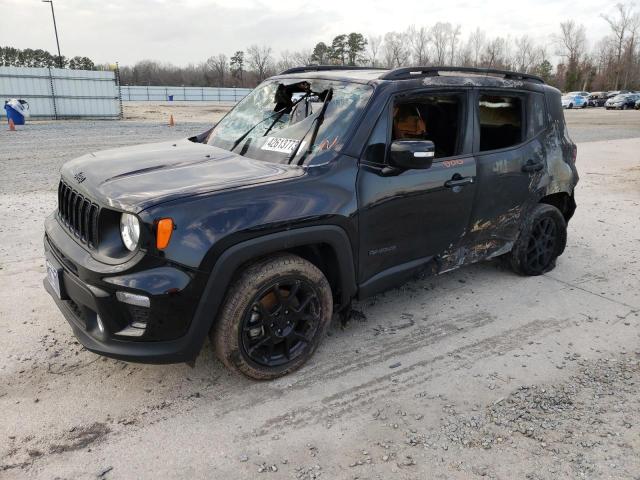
{"type": "Point", "coordinates": [292, 120]}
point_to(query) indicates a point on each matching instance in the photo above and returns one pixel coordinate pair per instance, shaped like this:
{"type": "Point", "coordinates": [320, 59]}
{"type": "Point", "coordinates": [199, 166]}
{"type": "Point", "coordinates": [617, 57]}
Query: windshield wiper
{"type": "Point", "coordinates": [316, 126]}
{"type": "Point", "coordinates": [283, 111]}
{"type": "Point", "coordinates": [277, 114]}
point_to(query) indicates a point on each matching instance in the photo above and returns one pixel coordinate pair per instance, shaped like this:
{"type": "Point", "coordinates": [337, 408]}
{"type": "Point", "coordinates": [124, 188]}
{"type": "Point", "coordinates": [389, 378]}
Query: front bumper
{"type": "Point", "coordinates": [170, 334]}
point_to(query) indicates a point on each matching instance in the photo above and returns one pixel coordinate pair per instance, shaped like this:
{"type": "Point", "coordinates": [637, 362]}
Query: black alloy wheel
{"type": "Point", "coordinates": [275, 314]}
{"type": "Point", "coordinates": [541, 249]}
{"type": "Point", "coordinates": [280, 322]}
{"type": "Point", "coordinates": [542, 239]}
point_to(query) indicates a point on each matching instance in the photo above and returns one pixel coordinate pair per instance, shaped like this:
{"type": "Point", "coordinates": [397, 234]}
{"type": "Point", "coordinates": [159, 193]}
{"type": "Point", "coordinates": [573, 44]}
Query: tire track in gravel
{"type": "Point", "coordinates": [380, 350]}
{"type": "Point", "coordinates": [409, 379]}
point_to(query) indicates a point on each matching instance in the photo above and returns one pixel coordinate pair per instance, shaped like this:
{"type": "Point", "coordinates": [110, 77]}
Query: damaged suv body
{"type": "Point", "coordinates": [323, 185]}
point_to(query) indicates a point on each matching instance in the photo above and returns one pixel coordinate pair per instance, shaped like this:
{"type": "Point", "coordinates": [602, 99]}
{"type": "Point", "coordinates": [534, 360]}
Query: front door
{"type": "Point", "coordinates": [407, 219]}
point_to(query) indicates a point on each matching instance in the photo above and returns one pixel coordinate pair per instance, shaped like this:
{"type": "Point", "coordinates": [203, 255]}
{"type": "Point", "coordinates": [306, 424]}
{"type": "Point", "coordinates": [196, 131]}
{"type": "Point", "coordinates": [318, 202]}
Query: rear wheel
{"type": "Point", "coordinates": [542, 240]}
{"type": "Point", "coordinates": [571, 105]}
{"type": "Point", "coordinates": [274, 317]}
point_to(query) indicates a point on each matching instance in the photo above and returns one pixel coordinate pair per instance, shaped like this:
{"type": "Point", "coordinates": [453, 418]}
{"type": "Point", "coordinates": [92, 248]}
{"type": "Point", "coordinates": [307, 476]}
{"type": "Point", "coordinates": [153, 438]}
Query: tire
{"type": "Point", "coordinates": [542, 239]}
{"type": "Point", "coordinates": [260, 329]}
{"type": "Point", "coordinates": [571, 105]}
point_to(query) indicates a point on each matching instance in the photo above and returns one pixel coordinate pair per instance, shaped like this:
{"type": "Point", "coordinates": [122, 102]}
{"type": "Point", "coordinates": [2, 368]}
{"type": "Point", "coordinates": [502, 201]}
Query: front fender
{"type": "Point", "coordinates": [237, 255]}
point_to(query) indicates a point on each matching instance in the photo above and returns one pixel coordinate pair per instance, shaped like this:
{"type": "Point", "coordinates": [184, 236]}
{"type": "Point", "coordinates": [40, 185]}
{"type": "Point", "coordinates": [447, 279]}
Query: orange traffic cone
{"type": "Point", "coordinates": [172, 123]}
{"type": "Point", "coordinates": [12, 126]}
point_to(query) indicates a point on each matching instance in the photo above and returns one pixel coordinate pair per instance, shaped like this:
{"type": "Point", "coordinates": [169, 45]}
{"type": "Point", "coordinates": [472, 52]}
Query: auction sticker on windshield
{"type": "Point", "coordinates": [282, 145]}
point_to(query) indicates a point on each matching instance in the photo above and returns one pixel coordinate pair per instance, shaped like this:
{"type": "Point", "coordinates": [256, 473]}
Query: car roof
{"type": "Point", "coordinates": [358, 75]}
{"type": "Point", "coordinates": [419, 76]}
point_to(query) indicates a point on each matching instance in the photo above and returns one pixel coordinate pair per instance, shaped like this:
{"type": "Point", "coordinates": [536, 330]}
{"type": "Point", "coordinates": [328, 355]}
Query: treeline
{"type": "Point", "coordinates": [14, 57]}
{"type": "Point", "coordinates": [612, 63]}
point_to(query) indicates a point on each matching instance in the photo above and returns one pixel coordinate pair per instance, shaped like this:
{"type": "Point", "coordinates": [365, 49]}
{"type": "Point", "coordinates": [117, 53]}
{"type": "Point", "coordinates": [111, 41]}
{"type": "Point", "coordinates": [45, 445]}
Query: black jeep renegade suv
{"type": "Point", "coordinates": [323, 185]}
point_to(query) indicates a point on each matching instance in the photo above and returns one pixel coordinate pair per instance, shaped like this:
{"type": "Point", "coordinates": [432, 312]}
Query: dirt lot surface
{"type": "Point", "coordinates": [182, 111]}
{"type": "Point", "coordinates": [478, 373]}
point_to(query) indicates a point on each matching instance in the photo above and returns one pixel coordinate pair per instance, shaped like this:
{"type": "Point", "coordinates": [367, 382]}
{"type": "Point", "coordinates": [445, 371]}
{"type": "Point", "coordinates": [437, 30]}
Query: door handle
{"type": "Point", "coordinates": [532, 166]}
{"type": "Point", "coordinates": [458, 181]}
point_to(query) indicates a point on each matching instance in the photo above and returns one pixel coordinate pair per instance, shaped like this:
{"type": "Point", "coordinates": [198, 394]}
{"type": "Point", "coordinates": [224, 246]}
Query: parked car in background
{"type": "Point", "coordinates": [615, 93]}
{"type": "Point", "coordinates": [582, 94]}
{"type": "Point", "coordinates": [572, 100]}
{"type": "Point", "coordinates": [623, 101]}
{"type": "Point", "coordinates": [638, 104]}
{"type": "Point", "coordinates": [597, 99]}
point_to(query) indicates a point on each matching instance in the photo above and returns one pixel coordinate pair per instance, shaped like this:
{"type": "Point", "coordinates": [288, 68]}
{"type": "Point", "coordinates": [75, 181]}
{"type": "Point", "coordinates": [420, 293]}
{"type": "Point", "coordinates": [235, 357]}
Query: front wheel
{"type": "Point", "coordinates": [542, 239]}
{"type": "Point", "coordinates": [274, 316]}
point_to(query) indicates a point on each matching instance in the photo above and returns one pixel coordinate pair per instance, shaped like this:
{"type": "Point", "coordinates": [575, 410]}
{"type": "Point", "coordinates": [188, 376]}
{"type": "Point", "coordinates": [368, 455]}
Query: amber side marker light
{"type": "Point", "coordinates": [164, 229]}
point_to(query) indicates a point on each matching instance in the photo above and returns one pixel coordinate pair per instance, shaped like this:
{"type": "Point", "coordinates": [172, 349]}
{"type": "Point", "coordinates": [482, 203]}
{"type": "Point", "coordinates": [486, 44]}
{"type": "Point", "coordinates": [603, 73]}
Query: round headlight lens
{"type": "Point", "coordinates": [130, 230]}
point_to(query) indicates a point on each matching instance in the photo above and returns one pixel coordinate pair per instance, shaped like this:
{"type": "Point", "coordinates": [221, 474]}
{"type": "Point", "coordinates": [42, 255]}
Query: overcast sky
{"type": "Point", "coordinates": [184, 31]}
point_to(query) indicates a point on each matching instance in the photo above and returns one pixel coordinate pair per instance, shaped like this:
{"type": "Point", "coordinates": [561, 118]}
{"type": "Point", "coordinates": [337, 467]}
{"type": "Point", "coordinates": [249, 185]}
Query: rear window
{"type": "Point", "coordinates": [500, 121]}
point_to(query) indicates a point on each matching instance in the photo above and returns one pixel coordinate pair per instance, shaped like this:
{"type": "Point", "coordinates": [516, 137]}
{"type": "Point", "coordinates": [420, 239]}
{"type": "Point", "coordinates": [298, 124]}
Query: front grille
{"type": "Point", "coordinates": [78, 214]}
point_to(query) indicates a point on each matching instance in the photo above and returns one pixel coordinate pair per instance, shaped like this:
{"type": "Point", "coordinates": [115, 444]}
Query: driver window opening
{"type": "Point", "coordinates": [435, 118]}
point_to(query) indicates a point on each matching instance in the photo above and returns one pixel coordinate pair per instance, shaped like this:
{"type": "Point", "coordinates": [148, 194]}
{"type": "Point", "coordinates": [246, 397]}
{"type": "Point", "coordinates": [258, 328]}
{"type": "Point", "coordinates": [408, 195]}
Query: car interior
{"type": "Point", "coordinates": [434, 118]}
{"type": "Point", "coordinates": [500, 122]}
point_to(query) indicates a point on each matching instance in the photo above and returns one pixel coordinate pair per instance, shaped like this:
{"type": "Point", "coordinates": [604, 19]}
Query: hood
{"type": "Point", "coordinates": [135, 178]}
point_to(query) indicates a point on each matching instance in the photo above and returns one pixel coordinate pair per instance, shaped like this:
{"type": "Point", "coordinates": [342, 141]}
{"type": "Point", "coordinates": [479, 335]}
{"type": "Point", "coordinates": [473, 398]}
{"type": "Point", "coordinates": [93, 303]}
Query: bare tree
{"type": "Point", "coordinates": [302, 57]}
{"type": "Point", "coordinates": [219, 66]}
{"type": "Point", "coordinates": [476, 43]}
{"type": "Point", "coordinates": [620, 26]}
{"type": "Point", "coordinates": [572, 44]}
{"type": "Point", "coordinates": [286, 61]}
{"type": "Point", "coordinates": [260, 60]}
{"type": "Point", "coordinates": [375, 41]}
{"type": "Point", "coordinates": [494, 53]}
{"type": "Point", "coordinates": [396, 50]}
{"type": "Point", "coordinates": [464, 55]}
{"type": "Point", "coordinates": [440, 36]}
{"type": "Point", "coordinates": [572, 41]}
{"type": "Point", "coordinates": [454, 33]}
{"type": "Point", "coordinates": [419, 40]}
{"type": "Point", "coordinates": [525, 55]}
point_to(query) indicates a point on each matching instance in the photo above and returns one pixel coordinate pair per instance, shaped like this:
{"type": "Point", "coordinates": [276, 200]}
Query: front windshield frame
{"type": "Point", "coordinates": [255, 114]}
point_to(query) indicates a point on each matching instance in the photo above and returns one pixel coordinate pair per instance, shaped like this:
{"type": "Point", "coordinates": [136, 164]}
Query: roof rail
{"type": "Point", "coordinates": [321, 68]}
{"type": "Point", "coordinates": [412, 72]}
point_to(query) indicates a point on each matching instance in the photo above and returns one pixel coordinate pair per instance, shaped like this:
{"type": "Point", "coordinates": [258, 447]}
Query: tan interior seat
{"type": "Point", "coordinates": [407, 123]}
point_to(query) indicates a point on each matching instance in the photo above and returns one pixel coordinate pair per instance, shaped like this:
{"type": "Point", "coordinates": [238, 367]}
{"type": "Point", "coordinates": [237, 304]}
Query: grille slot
{"type": "Point", "coordinates": [78, 214]}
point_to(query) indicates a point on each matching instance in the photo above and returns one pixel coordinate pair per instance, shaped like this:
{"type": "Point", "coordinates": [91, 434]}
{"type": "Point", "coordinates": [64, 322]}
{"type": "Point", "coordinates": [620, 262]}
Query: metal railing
{"type": "Point", "coordinates": [61, 93]}
{"type": "Point", "coordinates": [154, 93]}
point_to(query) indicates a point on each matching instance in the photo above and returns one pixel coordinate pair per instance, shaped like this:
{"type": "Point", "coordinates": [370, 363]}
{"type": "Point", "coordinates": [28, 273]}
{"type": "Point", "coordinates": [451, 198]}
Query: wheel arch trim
{"type": "Point", "coordinates": [235, 256]}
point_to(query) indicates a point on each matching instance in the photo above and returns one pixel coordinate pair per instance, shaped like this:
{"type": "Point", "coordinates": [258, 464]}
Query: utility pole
{"type": "Point", "coordinates": [55, 28]}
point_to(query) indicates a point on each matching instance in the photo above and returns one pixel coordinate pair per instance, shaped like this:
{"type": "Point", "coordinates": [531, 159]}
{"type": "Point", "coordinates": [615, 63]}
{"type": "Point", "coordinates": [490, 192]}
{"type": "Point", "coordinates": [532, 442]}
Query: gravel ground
{"type": "Point", "coordinates": [593, 124]}
{"type": "Point", "coordinates": [475, 374]}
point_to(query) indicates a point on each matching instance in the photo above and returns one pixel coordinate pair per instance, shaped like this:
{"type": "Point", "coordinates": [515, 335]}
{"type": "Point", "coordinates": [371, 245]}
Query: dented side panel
{"type": "Point", "coordinates": [505, 193]}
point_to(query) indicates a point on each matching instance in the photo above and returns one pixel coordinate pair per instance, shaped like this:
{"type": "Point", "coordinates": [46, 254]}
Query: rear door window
{"type": "Point", "coordinates": [501, 121]}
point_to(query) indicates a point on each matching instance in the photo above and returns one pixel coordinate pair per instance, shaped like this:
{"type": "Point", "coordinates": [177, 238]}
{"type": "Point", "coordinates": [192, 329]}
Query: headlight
{"type": "Point", "coordinates": [130, 230]}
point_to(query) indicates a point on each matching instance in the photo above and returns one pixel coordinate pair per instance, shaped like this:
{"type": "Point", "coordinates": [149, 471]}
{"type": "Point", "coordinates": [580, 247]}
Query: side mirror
{"type": "Point", "coordinates": [412, 154]}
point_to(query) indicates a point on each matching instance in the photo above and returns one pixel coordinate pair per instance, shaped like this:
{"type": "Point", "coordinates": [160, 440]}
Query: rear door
{"type": "Point", "coordinates": [510, 158]}
{"type": "Point", "coordinates": [407, 218]}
